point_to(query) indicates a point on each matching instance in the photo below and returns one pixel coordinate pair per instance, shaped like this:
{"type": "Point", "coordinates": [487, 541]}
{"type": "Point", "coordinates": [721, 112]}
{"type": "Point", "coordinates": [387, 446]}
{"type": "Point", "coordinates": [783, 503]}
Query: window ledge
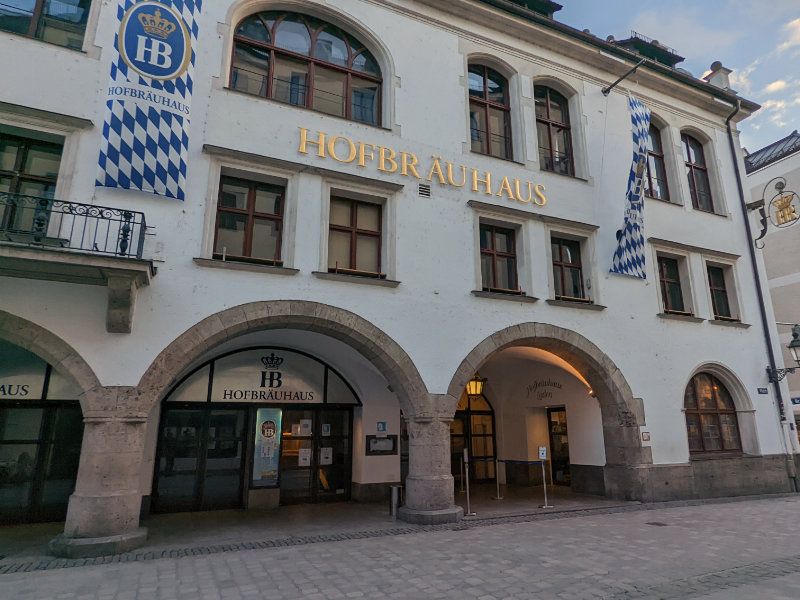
{"type": "Point", "coordinates": [564, 175]}
{"type": "Point", "coordinates": [356, 279]}
{"type": "Point", "coordinates": [502, 296]}
{"type": "Point", "coordinates": [233, 265]}
{"type": "Point", "coordinates": [678, 317]}
{"type": "Point", "coordinates": [576, 304]}
{"type": "Point", "coordinates": [508, 160]}
{"type": "Point", "coordinates": [698, 456]}
{"type": "Point", "coordinates": [729, 323]}
{"type": "Point", "coordinates": [662, 201]}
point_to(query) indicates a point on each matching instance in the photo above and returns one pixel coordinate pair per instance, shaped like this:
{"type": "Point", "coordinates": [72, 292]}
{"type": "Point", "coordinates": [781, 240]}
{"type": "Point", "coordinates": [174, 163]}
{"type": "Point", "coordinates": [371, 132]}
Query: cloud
{"type": "Point", "coordinates": [740, 78]}
{"type": "Point", "coordinates": [686, 32]}
{"type": "Point", "coordinates": [775, 111]}
{"type": "Point", "coordinates": [792, 29]}
{"type": "Point", "coordinates": [775, 86]}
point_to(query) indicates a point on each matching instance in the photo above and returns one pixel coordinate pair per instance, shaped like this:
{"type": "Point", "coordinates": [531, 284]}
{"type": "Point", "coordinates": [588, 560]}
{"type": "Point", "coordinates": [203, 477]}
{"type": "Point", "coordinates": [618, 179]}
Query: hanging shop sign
{"type": "Point", "coordinates": [390, 161]}
{"type": "Point", "coordinates": [267, 454]}
{"type": "Point", "coordinates": [146, 130]}
{"type": "Point", "coordinates": [268, 376]}
{"type": "Point", "coordinates": [781, 210]}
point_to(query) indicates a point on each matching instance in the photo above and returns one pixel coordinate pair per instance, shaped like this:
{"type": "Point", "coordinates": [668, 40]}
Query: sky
{"type": "Point", "coordinates": [758, 39]}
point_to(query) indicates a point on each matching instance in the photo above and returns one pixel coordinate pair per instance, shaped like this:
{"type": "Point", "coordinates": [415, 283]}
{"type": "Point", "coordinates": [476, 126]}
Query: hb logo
{"type": "Point", "coordinates": [154, 41]}
{"type": "Point", "coordinates": [271, 377]}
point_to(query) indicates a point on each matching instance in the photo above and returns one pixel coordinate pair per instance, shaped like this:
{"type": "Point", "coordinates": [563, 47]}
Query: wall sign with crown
{"type": "Point", "coordinates": [145, 134]}
{"type": "Point", "coordinates": [782, 209]}
{"type": "Point", "coordinates": [273, 375]}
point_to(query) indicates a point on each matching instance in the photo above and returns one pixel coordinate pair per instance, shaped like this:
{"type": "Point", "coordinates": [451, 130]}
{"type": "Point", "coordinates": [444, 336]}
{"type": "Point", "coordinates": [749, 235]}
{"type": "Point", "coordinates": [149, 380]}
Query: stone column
{"type": "Point", "coordinates": [429, 485]}
{"type": "Point", "coordinates": [103, 512]}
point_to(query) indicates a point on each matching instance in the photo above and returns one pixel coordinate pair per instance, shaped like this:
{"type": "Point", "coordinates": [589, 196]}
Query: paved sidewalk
{"type": "Point", "coordinates": [727, 550]}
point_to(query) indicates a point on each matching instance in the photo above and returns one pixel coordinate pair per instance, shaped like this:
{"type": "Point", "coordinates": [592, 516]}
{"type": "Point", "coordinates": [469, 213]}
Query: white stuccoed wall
{"type": "Point", "coordinates": [431, 314]}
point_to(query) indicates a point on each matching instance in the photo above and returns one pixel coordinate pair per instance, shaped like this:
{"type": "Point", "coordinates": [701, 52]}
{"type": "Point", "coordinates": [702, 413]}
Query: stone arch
{"type": "Point", "coordinates": [622, 414]}
{"type": "Point", "coordinates": [52, 349]}
{"type": "Point", "coordinates": [745, 410]}
{"type": "Point", "coordinates": [375, 345]}
{"type": "Point", "coordinates": [335, 16]}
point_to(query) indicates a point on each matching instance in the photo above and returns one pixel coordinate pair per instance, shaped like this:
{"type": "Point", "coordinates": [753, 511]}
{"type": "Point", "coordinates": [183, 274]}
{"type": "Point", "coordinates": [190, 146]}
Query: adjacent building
{"type": "Point", "coordinates": [773, 176]}
{"type": "Point", "coordinates": [365, 206]}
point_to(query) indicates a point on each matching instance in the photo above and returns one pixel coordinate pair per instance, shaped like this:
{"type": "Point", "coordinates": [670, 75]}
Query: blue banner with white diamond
{"type": "Point", "coordinates": [629, 258]}
{"type": "Point", "coordinates": [148, 104]}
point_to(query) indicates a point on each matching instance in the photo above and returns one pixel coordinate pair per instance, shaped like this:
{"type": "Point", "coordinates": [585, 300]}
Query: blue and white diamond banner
{"type": "Point", "coordinates": [146, 129]}
{"type": "Point", "coordinates": [629, 256]}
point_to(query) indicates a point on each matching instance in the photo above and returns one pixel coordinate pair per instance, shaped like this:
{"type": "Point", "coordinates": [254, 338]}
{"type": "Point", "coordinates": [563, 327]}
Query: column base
{"type": "Point", "coordinates": [452, 514]}
{"type": "Point", "coordinates": [73, 547]}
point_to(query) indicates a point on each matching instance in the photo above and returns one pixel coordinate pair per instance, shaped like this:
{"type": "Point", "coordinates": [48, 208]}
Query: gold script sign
{"type": "Point", "coordinates": [387, 160]}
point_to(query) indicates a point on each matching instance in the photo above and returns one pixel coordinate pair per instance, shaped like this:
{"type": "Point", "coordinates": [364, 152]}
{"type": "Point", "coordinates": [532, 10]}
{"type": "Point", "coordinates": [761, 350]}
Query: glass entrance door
{"type": "Point", "coordinates": [40, 447]}
{"type": "Point", "coordinates": [473, 428]}
{"type": "Point", "coordinates": [200, 459]}
{"type": "Point", "coordinates": [559, 445]}
{"type": "Point", "coordinates": [316, 455]}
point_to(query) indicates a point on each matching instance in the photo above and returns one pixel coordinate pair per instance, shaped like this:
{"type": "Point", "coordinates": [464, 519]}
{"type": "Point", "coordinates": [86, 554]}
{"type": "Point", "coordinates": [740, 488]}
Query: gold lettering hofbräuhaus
{"type": "Point", "coordinates": [342, 149]}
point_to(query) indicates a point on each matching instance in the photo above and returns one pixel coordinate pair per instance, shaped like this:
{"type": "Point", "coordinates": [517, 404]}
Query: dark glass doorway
{"type": "Point", "coordinates": [316, 455]}
{"type": "Point", "coordinates": [40, 448]}
{"type": "Point", "coordinates": [473, 428]}
{"type": "Point", "coordinates": [559, 445]}
{"type": "Point", "coordinates": [200, 458]}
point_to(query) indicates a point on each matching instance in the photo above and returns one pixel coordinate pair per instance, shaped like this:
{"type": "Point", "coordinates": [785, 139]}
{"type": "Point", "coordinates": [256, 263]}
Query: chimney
{"type": "Point", "coordinates": [719, 76]}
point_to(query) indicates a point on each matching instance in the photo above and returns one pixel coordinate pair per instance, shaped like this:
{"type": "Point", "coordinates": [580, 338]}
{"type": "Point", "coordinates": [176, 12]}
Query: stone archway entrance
{"type": "Point", "coordinates": [622, 414]}
{"type": "Point", "coordinates": [104, 518]}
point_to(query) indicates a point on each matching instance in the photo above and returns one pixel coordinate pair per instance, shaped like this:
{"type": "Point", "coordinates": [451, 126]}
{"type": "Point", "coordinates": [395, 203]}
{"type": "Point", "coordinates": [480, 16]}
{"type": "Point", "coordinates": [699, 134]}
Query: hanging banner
{"type": "Point", "coordinates": [146, 129]}
{"type": "Point", "coordinates": [629, 257]}
{"type": "Point", "coordinates": [267, 454]}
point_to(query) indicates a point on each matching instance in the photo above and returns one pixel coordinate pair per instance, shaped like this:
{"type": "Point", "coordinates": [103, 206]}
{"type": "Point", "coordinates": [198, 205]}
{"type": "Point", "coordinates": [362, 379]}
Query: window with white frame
{"type": "Point", "coordinates": [673, 276]}
{"type": "Point", "coordinates": [722, 289]}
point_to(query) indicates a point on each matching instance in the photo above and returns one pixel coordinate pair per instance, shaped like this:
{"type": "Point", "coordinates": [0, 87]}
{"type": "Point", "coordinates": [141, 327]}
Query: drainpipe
{"type": "Point", "coordinates": [765, 325]}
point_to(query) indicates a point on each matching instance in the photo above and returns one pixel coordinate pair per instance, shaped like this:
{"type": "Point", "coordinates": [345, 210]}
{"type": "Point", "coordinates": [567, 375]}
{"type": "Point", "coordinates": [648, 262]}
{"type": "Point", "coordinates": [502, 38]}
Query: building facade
{"type": "Point", "coordinates": [779, 163]}
{"type": "Point", "coordinates": [383, 201]}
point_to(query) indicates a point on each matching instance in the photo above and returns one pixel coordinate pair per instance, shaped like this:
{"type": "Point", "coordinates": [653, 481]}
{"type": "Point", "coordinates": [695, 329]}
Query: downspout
{"type": "Point", "coordinates": [790, 466]}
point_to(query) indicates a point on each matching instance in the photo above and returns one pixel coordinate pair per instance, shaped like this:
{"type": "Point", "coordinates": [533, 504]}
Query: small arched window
{"type": "Point", "coordinates": [304, 61]}
{"type": "Point", "coordinates": [655, 185]}
{"type": "Point", "coordinates": [553, 131]}
{"type": "Point", "coordinates": [711, 422]}
{"type": "Point", "coordinates": [697, 173]}
{"type": "Point", "coordinates": [489, 112]}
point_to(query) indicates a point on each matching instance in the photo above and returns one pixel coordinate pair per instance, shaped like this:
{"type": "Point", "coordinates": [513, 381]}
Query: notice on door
{"type": "Point", "coordinates": [326, 456]}
{"type": "Point", "coordinates": [267, 447]}
{"type": "Point", "coordinates": [305, 426]}
{"type": "Point", "coordinates": [304, 457]}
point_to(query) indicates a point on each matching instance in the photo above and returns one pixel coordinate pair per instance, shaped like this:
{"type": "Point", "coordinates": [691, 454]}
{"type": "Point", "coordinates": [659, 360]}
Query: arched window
{"type": "Point", "coordinates": [304, 61]}
{"type": "Point", "coordinates": [711, 421]}
{"type": "Point", "coordinates": [489, 112]}
{"type": "Point", "coordinates": [553, 131]}
{"type": "Point", "coordinates": [697, 173]}
{"type": "Point", "coordinates": [655, 184]}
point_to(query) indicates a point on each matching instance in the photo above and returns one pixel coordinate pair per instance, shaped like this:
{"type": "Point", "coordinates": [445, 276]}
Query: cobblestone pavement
{"type": "Point", "coordinates": [747, 549]}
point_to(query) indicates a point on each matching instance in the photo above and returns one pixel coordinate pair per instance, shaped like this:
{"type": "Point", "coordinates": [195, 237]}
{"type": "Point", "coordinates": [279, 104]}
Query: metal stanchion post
{"type": "Point", "coordinates": [461, 483]}
{"type": "Point", "coordinates": [544, 484]}
{"type": "Point", "coordinates": [469, 512]}
{"type": "Point", "coordinates": [497, 479]}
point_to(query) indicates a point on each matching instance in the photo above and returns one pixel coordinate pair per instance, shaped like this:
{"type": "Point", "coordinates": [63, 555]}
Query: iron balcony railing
{"type": "Point", "coordinates": [72, 226]}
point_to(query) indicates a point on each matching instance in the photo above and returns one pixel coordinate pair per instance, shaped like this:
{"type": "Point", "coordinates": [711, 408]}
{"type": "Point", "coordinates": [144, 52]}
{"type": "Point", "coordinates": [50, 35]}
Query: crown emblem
{"type": "Point", "coordinates": [272, 361]}
{"type": "Point", "coordinates": [155, 25]}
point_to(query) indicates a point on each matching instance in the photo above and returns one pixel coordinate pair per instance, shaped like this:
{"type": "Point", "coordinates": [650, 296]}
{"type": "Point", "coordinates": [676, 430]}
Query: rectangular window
{"type": "Point", "coordinates": [498, 260]}
{"type": "Point", "coordinates": [354, 238]}
{"type": "Point", "coordinates": [61, 22]}
{"type": "Point", "coordinates": [719, 294]}
{"type": "Point", "coordinates": [671, 291]}
{"type": "Point", "coordinates": [249, 221]}
{"type": "Point", "coordinates": [28, 173]}
{"type": "Point", "coordinates": [567, 269]}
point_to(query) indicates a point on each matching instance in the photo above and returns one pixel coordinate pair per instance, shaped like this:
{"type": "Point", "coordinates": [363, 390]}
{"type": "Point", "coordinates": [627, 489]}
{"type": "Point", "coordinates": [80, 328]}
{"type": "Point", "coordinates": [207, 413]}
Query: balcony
{"type": "Point", "coordinates": [43, 238]}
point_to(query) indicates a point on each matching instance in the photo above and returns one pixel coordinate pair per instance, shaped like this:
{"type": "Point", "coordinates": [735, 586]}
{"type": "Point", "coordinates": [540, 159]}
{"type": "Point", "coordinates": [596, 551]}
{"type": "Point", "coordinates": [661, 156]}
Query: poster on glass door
{"type": "Point", "coordinates": [266, 457]}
